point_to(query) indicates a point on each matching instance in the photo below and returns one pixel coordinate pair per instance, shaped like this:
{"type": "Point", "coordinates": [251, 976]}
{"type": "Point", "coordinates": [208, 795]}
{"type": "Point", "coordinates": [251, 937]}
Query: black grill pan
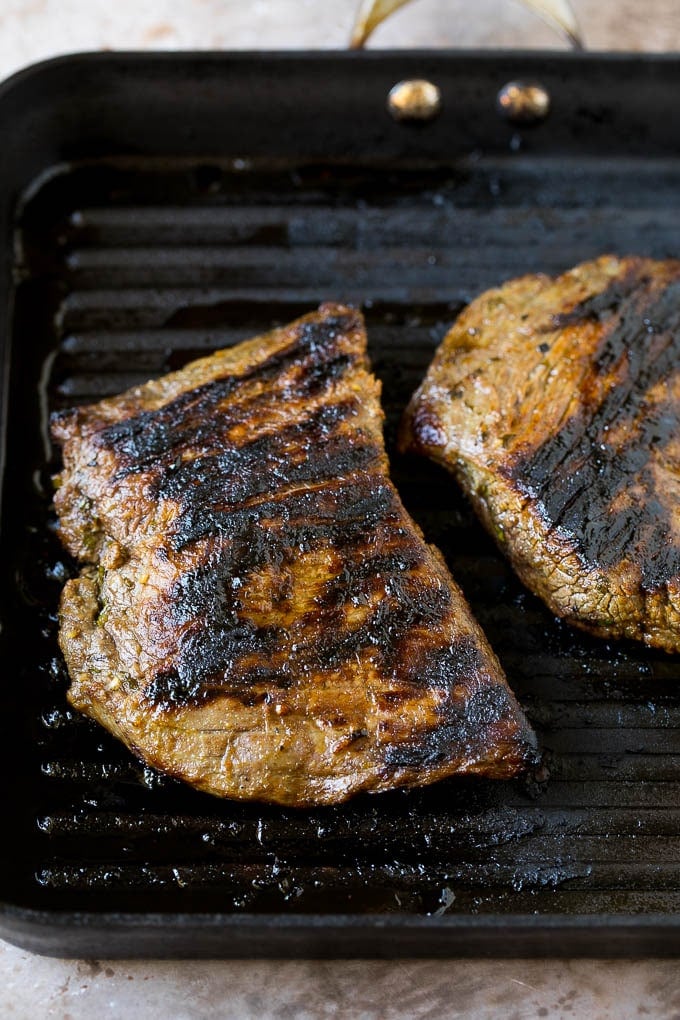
{"type": "Point", "coordinates": [156, 207]}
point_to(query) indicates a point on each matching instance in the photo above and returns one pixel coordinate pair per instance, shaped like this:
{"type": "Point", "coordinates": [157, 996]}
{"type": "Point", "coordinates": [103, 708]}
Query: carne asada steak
{"type": "Point", "coordinates": [257, 613]}
{"type": "Point", "coordinates": [556, 404]}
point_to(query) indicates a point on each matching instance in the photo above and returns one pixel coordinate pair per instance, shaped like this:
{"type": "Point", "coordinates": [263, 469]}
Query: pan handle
{"type": "Point", "coordinates": [556, 13]}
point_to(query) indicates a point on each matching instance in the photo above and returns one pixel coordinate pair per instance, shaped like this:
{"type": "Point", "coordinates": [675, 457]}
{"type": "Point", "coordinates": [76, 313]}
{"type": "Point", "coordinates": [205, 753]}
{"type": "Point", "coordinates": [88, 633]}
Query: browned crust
{"type": "Point", "coordinates": [257, 613]}
{"type": "Point", "coordinates": [556, 404]}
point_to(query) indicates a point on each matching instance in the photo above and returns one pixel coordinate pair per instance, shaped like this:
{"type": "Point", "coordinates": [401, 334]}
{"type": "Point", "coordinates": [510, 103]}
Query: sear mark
{"type": "Point", "coordinates": [594, 479]}
{"type": "Point", "coordinates": [152, 439]}
{"type": "Point", "coordinates": [465, 728]}
{"type": "Point", "coordinates": [220, 641]}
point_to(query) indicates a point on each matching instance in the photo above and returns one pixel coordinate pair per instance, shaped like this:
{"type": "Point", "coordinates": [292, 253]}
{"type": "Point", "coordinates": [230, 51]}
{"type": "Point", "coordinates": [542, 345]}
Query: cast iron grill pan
{"type": "Point", "coordinates": [127, 267]}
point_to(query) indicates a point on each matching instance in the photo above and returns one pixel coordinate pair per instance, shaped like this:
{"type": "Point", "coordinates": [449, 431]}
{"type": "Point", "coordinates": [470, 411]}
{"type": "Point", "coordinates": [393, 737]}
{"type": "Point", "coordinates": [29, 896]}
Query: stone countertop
{"type": "Point", "coordinates": [33, 29]}
{"type": "Point", "coordinates": [36, 987]}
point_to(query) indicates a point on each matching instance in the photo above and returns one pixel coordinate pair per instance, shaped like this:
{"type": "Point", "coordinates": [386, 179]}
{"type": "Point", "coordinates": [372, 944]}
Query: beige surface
{"type": "Point", "coordinates": [35, 987]}
{"type": "Point", "coordinates": [32, 29]}
{"type": "Point", "coordinates": [350, 990]}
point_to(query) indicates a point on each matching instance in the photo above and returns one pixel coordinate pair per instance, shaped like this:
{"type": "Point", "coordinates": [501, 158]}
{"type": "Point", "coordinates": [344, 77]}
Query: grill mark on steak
{"type": "Point", "coordinates": [446, 667]}
{"type": "Point", "coordinates": [189, 420]}
{"type": "Point", "coordinates": [459, 724]}
{"type": "Point", "coordinates": [217, 662]}
{"type": "Point", "coordinates": [381, 632]}
{"type": "Point", "coordinates": [612, 300]}
{"type": "Point", "coordinates": [219, 644]}
{"type": "Point", "coordinates": [579, 475]}
{"type": "Point", "coordinates": [307, 517]}
{"type": "Point", "coordinates": [312, 450]}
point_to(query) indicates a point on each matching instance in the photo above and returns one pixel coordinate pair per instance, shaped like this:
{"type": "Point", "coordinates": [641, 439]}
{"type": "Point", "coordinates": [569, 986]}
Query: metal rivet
{"type": "Point", "coordinates": [416, 99]}
{"type": "Point", "coordinates": [523, 102]}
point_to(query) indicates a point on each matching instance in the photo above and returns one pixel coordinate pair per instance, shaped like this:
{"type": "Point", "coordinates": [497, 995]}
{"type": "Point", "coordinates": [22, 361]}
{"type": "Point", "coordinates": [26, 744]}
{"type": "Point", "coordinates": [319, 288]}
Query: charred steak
{"type": "Point", "coordinates": [556, 404]}
{"type": "Point", "coordinates": [257, 614]}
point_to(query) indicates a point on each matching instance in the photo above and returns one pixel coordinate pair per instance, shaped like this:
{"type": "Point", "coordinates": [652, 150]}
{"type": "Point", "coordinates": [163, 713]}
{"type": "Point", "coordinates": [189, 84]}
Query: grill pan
{"type": "Point", "coordinates": [156, 207]}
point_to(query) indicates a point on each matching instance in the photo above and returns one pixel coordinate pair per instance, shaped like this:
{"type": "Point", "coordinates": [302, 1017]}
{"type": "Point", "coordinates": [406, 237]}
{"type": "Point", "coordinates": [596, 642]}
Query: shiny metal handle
{"type": "Point", "coordinates": [556, 13]}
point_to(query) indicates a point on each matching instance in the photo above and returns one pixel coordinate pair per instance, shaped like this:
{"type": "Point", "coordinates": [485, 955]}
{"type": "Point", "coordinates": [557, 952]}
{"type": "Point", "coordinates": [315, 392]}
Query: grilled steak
{"type": "Point", "coordinates": [556, 404]}
{"type": "Point", "coordinates": [257, 613]}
